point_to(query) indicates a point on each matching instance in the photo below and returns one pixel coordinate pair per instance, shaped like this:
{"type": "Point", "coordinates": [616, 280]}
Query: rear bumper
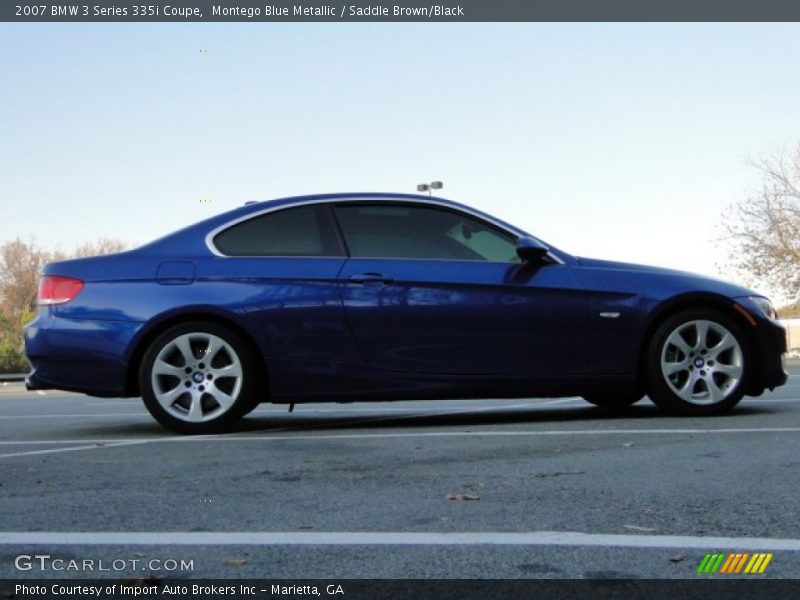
{"type": "Point", "coordinates": [32, 382]}
{"type": "Point", "coordinates": [78, 355]}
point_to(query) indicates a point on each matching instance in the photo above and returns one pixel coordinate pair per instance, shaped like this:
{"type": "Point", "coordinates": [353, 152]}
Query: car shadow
{"type": "Point", "coordinates": [309, 420]}
{"type": "Point", "coordinates": [483, 416]}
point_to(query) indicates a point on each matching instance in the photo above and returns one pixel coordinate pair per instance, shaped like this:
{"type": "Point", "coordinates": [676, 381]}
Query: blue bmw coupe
{"type": "Point", "coordinates": [345, 297]}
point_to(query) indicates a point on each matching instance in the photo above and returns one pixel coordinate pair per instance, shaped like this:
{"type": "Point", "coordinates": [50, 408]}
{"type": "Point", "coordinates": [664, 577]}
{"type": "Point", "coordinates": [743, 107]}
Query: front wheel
{"type": "Point", "coordinates": [698, 363]}
{"type": "Point", "coordinates": [198, 378]}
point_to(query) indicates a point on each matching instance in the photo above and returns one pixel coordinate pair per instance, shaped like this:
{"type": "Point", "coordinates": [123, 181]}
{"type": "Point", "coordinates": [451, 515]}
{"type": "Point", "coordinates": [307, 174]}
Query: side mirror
{"type": "Point", "coordinates": [531, 250]}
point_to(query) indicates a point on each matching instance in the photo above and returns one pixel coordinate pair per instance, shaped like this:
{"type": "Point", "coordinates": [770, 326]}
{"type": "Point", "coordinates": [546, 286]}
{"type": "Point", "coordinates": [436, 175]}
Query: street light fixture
{"type": "Point", "coordinates": [427, 187]}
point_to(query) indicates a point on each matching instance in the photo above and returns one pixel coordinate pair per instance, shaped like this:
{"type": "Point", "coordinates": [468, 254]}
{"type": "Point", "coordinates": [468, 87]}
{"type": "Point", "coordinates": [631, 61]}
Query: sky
{"type": "Point", "coordinates": [620, 141]}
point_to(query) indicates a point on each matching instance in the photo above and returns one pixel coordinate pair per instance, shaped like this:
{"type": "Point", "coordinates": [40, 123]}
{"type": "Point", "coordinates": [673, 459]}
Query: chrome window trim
{"type": "Point", "coordinates": [209, 239]}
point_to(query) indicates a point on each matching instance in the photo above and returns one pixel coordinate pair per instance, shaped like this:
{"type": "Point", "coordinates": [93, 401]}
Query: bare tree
{"type": "Point", "coordinates": [20, 265]}
{"type": "Point", "coordinates": [100, 246]}
{"type": "Point", "coordinates": [765, 228]}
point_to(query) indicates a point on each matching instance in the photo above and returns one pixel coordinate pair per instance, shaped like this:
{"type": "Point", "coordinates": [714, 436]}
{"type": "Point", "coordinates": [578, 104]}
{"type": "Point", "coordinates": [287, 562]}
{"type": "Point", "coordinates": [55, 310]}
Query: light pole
{"type": "Point", "coordinates": [427, 187]}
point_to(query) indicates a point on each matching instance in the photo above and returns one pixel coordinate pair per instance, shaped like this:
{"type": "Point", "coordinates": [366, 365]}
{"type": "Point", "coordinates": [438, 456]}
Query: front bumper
{"type": "Point", "coordinates": [770, 355]}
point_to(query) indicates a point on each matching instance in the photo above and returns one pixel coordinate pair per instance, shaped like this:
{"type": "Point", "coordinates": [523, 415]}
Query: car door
{"type": "Point", "coordinates": [281, 269]}
{"type": "Point", "coordinates": [429, 289]}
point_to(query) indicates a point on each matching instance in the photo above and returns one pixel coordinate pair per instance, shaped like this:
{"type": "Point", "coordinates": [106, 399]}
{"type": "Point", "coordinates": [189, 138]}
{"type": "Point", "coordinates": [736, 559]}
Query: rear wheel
{"type": "Point", "coordinates": [698, 363]}
{"type": "Point", "coordinates": [198, 378]}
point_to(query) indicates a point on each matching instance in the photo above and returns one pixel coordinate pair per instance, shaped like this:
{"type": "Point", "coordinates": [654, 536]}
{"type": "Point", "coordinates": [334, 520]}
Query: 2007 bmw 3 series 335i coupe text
{"type": "Point", "coordinates": [347, 297]}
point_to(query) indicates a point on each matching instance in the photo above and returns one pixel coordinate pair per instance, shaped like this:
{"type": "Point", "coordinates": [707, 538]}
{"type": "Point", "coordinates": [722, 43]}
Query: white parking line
{"type": "Point", "coordinates": [102, 442]}
{"type": "Point", "coordinates": [413, 412]}
{"type": "Point", "coordinates": [75, 415]}
{"type": "Point", "coordinates": [111, 443]}
{"type": "Point", "coordinates": [147, 441]}
{"type": "Point", "coordinates": [393, 538]}
{"type": "Point", "coordinates": [494, 433]}
{"type": "Point", "coordinates": [763, 401]}
{"type": "Point", "coordinates": [71, 449]}
{"type": "Point", "coordinates": [294, 434]}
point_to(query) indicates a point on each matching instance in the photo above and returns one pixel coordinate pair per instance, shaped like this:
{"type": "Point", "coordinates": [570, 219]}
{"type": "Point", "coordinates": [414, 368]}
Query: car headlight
{"type": "Point", "coordinates": [765, 306]}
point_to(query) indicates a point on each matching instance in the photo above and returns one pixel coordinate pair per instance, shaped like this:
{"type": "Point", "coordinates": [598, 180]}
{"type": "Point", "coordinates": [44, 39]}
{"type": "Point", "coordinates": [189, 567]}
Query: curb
{"type": "Point", "coordinates": [13, 376]}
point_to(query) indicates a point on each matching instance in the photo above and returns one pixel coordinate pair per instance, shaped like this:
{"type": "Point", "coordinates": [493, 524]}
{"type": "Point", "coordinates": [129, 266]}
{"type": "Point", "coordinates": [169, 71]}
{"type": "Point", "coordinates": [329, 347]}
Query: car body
{"type": "Point", "coordinates": [361, 297]}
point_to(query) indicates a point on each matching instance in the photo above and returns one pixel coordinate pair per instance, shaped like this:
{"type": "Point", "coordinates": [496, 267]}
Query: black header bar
{"type": "Point", "coordinates": [398, 10]}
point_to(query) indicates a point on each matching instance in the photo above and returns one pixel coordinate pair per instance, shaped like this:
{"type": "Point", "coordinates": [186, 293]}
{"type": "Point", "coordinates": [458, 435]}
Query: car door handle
{"type": "Point", "coordinates": [370, 278]}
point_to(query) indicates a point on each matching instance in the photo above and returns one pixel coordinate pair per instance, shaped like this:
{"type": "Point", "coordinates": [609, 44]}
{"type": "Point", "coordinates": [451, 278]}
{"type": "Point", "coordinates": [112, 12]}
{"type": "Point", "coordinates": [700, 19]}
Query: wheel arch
{"type": "Point", "coordinates": [163, 323]}
{"type": "Point", "coordinates": [677, 304]}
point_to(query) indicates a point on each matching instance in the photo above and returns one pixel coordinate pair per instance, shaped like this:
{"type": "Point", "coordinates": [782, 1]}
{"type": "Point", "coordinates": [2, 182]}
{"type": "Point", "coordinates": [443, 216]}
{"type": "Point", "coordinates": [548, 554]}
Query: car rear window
{"type": "Point", "coordinates": [301, 231]}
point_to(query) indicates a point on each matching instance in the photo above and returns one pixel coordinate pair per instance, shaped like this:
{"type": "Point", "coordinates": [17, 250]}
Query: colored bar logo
{"type": "Point", "coordinates": [735, 562]}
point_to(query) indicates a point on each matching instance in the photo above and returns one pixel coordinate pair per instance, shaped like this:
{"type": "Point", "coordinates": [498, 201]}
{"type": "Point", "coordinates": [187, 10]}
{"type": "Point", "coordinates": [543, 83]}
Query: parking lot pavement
{"type": "Point", "coordinates": [469, 489]}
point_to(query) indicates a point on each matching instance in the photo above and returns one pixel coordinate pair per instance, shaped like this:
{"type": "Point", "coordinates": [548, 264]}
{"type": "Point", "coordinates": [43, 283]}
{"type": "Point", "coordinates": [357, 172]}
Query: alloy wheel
{"type": "Point", "coordinates": [197, 377]}
{"type": "Point", "coordinates": [702, 362]}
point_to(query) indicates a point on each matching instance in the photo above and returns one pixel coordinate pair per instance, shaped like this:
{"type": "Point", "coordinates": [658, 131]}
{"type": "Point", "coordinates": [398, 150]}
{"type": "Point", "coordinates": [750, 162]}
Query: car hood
{"type": "Point", "coordinates": [596, 271]}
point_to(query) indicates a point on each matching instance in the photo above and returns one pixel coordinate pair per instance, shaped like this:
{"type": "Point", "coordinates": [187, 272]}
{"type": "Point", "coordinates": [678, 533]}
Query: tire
{"type": "Point", "coordinates": [215, 392]}
{"type": "Point", "coordinates": [698, 363]}
{"type": "Point", "coordinates": [612, 402]}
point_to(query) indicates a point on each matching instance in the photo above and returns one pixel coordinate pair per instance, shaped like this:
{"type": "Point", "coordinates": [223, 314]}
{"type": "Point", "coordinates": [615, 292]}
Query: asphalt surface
{"type": "Point", "coordinates": [399, 490]}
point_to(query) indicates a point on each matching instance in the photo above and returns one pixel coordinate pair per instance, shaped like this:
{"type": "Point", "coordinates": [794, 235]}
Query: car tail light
{"type": "Point", "coordinates": [54, 289]}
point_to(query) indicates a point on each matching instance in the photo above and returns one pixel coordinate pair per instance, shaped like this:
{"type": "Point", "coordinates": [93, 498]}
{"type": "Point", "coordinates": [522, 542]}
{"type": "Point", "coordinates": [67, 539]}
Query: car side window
{"type": "Point", "coordinates": [300, 231]}
{"type": "Point", "coordinates": [421, 232]}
